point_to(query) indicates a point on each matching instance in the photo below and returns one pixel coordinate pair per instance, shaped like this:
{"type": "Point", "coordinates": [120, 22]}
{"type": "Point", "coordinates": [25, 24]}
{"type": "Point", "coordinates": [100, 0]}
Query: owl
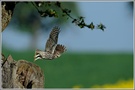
{"type": "Point", "coordinates": [52, 49]}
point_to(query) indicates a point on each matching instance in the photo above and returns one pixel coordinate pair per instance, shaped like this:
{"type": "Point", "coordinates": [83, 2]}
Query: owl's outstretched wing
{"type": "Point", "coordinates": [59, 50]}
{"type": "Point", "coordinates": [52, 41]}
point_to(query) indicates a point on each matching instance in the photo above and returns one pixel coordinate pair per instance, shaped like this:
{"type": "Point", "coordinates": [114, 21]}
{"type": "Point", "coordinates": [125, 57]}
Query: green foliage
{"type": "Point", "coordinates": [52, 12]}
{"type": "Point", "coordinates": [25, 18]}
{"type": "Point", "coordinates": [101, 26]}
{"type": "Point", "coordinates": [28, 16]}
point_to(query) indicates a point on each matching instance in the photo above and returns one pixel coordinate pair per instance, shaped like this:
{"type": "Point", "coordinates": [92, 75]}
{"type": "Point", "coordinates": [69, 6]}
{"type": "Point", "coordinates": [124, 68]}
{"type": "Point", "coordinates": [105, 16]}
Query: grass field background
{"type": "Point", "coordinates": [81, 69]}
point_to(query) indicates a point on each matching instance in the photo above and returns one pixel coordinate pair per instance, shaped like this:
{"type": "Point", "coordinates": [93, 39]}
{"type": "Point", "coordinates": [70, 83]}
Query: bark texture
{"type": "Point", "coordinates": [7, 12]}
{"type": "Point", "coordinates": [21, 74]}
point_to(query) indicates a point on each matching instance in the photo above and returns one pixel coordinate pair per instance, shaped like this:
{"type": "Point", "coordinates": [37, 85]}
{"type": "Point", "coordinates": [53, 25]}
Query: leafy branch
{"type": "Point", "coordinates": [65, 12]}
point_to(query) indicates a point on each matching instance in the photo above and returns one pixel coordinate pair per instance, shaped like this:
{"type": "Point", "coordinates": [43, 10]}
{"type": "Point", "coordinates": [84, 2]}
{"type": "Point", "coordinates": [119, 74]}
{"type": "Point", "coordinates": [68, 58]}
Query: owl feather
{"type": "Point", "coordinates": [52, 49]}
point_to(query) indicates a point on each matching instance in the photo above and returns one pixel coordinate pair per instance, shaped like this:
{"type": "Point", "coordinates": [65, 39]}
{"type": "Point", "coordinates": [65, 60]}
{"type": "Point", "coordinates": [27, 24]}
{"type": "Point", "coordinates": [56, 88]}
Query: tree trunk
{"type": "Point", "coordinates": [21, 74]}
{"type": "Point", "coordinates": [7, 12]}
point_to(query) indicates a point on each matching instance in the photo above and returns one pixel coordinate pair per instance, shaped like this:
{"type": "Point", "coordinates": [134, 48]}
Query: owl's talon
{"type": "Point", "coordinates": [37, 55]}
{"type": "Point", "coordinates": [37, 58]}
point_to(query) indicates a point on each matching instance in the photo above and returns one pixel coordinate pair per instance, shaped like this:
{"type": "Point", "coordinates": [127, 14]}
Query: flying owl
{"type": "Point", "coordinates": [52, 49]}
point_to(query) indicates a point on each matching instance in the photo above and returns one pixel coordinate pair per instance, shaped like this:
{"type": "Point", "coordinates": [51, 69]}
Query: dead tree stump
{"type": "Point", "coordinates": [21, 74]}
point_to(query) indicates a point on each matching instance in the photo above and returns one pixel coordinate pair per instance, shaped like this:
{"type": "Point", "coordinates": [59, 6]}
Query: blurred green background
{"type": "Point", "coordinates": [82, 69]}
{"type": "Point", "coordinates": [92, 57]}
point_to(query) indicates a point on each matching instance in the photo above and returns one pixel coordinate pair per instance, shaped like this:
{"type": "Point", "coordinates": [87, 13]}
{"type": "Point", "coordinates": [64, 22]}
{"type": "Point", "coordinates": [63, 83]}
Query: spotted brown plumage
{"type": "Point", "coordinates": [52, 49]}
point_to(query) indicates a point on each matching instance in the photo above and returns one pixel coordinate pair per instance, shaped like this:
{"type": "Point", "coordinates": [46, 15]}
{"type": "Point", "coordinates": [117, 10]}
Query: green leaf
{"type": "Point", "coordinates": [101, 26]}
{"type": "Point", "coordinates": [91, 26]}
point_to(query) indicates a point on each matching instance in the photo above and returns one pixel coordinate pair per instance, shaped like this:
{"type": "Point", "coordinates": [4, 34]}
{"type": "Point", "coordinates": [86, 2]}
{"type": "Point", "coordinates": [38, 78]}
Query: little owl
{"type": "Point", "coordinates": [52, 49]}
